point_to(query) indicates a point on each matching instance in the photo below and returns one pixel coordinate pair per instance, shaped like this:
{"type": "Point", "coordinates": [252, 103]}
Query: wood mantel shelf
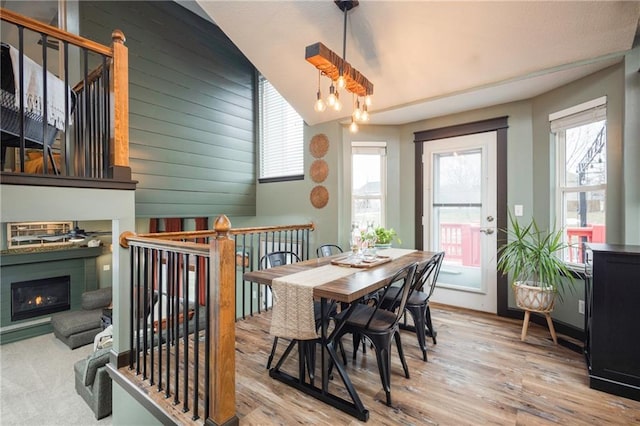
{"type": "Point", "coordinates": [24, 257]}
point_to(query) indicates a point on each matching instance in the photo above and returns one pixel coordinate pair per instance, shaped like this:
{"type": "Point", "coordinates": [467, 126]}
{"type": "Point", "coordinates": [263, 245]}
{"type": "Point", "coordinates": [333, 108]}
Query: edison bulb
{"type": "Point", "coordinates": [332, 98]}
{"type": "Point", "coordinates": [319, 106]}
{"type": "Point", "coordinates": [353, 127]}
{"type": "Point", "coordinates": [338, 105]}
{"type": "Point", "coordinates": [364, 117]}
{"type": "Point", "coordinates": [342, 82]}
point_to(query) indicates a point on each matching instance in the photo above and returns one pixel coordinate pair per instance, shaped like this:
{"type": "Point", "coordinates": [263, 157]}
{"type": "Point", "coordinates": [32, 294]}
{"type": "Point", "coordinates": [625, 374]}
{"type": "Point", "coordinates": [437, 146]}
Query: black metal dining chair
{"type": "Point", "coordinates": [328, 250]}
{"type": "Point", "coordinates": [277, 258]}
{"type": "Point", "coordinates": [418, 302]}
{"type": "Point", "coordinates": [380, 326]}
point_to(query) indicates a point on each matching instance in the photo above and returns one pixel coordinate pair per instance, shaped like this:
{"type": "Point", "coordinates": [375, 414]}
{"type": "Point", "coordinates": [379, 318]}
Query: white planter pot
{"type": "Point", "coordinates": [534, 298]}
{"type": "Point", "coordinates": [383, 246]}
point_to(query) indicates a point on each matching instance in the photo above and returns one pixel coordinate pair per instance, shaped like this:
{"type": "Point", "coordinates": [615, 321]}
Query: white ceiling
{"type": "Point", "coordinates": [430, 58]}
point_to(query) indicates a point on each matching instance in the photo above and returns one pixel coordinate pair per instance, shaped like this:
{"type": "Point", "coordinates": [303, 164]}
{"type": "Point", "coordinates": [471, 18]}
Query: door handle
{"type": "Point", "coordinates": [487, 231]}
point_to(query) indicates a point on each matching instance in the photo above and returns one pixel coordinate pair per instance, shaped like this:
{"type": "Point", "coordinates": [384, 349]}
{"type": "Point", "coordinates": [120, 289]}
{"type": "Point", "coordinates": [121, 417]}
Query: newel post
{"type": "Point", "coordinates": [120, 97]}
{"type": "Point", "coordinates": [222, 363]}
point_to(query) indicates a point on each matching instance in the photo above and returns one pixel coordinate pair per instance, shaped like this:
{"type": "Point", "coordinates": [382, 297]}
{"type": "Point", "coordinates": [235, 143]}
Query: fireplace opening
{"type": "Point", "coordinates": [35, 298]}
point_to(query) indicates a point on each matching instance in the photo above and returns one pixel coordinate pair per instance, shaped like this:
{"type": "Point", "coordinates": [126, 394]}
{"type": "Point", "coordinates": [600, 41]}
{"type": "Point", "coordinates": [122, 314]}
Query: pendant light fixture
{"type": "Point", "coordinates": [341, 74]}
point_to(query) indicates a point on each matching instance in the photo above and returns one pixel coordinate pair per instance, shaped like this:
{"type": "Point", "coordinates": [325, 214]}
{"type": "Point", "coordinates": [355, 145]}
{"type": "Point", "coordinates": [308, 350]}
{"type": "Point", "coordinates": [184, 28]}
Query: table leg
{"type": "Point", "coordinates": [353, 407]}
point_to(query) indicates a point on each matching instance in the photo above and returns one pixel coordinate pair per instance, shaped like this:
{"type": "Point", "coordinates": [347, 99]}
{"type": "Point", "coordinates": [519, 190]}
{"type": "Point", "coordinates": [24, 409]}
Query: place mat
{"type": "Point", "coordinates": [360, 262]}
{"type": "Point", "coordinates": [293, 315]}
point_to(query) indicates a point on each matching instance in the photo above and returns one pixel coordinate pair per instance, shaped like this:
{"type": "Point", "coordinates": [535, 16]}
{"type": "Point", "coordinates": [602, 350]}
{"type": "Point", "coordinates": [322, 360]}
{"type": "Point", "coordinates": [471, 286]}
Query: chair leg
{"type": "Point", "coordinates": [432, 332]}
{"type": "Point", "coordinates": [273, 352]}
{"type": "Point", "coordinates": [310, 358]}
{"type": "Point", "coordinates": [419, 318]}
{"type": "Point", "coordinates": [356, 344]}
{"type": "Point", "coordinates": [401, 354]}
{"type": "Point", "coordinates": [383, 357]}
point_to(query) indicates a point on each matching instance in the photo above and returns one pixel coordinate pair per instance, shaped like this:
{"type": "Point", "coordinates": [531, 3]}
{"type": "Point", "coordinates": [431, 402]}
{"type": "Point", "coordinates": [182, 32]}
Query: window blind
{"type": "Point", "coordinates": [281, 137]}
{"type": "Point", "coordinates": [579, 115]}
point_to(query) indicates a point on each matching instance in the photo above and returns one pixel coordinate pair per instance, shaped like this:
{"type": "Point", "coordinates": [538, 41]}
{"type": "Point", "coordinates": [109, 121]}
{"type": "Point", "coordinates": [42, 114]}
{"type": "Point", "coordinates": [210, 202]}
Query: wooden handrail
{"type": "Point", "coordinates": [91, 77]}
{"type": "Point", "coordinates": [190, 235]}
{"type": "Point", "coordinates": [32, 24]}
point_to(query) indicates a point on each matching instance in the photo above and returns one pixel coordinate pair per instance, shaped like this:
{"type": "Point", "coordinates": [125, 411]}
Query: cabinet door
{"type": "Point", "coordinates": [615, 333]}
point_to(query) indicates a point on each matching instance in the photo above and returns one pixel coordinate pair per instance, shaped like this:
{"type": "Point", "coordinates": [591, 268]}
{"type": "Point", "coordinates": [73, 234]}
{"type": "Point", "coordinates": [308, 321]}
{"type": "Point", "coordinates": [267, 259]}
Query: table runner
{"type": "Point", "coordinates": [293, 315]}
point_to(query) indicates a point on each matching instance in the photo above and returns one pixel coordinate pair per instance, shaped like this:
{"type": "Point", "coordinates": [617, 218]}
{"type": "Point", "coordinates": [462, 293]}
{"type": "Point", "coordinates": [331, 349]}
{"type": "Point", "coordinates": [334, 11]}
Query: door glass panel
{"type": "Point", "coordinates": [456, 213]}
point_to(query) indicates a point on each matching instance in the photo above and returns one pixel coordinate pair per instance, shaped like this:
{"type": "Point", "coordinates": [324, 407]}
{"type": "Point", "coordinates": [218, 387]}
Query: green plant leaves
{"type": "Point", "coordinates": [532, 254]}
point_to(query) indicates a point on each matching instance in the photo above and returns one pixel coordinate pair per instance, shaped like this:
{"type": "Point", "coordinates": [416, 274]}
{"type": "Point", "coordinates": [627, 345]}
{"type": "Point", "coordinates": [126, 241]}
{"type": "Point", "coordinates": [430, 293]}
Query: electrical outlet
{"type": "Point", "coordinates": [106, 267]}
{"type": "Point", "coordinates": [581, 307]}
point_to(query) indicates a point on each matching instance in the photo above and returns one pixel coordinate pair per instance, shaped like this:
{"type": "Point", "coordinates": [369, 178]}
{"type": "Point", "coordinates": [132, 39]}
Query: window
{"type": "Point", "coordinates": [368, 182]}
{"type": "Point", "coordinates": [581, 141]}
{"type": "Point", "coordinates": [281, 137]}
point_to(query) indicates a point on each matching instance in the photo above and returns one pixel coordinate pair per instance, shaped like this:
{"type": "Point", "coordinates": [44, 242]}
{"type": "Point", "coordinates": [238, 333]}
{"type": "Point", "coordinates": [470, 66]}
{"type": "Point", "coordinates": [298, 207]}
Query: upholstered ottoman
{"type": "Point", "coordinates": [78, 328]}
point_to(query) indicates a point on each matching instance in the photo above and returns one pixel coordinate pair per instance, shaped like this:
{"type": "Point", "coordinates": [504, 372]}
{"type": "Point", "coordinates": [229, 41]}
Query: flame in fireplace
{"type": "Point", "coordinates": [41, 300]}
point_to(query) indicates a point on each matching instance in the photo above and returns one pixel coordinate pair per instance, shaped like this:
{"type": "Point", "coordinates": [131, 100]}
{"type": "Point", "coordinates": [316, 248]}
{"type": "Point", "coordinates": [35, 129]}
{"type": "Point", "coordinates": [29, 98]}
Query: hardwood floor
{"type": "Point", "coordinates": [478, 373]}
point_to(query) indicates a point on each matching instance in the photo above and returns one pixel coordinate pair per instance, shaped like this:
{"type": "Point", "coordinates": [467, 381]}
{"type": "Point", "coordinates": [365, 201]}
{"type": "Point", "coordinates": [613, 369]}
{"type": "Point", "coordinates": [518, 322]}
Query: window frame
{"type": "Point", "coordinates": [295, 150]}
{"type": "Point", "coordinates": [370, 148]}
{"type": "Point", "coordinates": [559, 122]}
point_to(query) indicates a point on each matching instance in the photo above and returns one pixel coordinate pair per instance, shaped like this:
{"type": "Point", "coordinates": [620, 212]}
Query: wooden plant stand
{"type": "Point", "coordinates": [532, 299]}
{"type": "Point", "coordinates": [525, 324]}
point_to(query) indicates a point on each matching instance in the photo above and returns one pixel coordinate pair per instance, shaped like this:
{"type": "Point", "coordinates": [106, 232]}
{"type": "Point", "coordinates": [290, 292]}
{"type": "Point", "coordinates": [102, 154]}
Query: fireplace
{"type": "Point", "coordinates": [35, 298]}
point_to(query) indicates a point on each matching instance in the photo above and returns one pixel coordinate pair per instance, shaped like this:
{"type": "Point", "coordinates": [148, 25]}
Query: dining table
{"type": "Point", "coordinates": [343, 279]}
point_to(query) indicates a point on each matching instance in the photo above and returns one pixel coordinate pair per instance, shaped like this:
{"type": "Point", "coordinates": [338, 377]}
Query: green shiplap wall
{"type": "Point", "coordinates": [191, 109]}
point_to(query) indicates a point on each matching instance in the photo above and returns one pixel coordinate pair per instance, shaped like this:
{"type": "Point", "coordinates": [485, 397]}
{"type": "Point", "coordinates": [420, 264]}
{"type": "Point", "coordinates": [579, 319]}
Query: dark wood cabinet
{"type": "Point", "coordinates": [612, 320]}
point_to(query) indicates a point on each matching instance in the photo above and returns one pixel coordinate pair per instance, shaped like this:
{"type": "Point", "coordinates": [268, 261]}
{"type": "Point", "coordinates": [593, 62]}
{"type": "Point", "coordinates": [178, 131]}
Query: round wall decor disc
{"type": "Point", "coordinates": [319, 145]}
{"type": "Point", "coordinates": [319, 171]}
{"type": "Point", "coordinates": [319, 197]}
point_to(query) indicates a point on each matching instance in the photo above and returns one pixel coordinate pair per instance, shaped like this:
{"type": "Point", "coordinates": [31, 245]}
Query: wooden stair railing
{"type": "Point", "coordinates": [251, 244]}
{"type": "Point", "coordinates": [104, 151]}
{"type": "Point", "coordinates": [179, 347]}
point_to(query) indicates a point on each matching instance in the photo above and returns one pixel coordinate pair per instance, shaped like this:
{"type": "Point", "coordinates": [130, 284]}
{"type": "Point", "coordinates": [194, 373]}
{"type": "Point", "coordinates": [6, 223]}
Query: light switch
{"type": "Point", "coordinates": [518, 210]}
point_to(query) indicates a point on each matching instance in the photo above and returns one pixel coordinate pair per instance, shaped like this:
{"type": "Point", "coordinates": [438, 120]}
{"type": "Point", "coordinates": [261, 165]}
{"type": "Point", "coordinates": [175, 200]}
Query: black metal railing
{"type": "Point", "coordinates": [169, 320]}
{"type": "Point", "coordinates": [251, 247]}
{"type": "Point", "coordinates": [170, 290]}
{"type": "Point", "coordinates": [55, 126]}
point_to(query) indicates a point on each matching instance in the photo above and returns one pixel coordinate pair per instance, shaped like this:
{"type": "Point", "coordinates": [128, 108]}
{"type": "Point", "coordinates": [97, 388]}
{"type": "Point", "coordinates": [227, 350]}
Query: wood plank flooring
{"type": "Point", "coordinates": [478, 373]}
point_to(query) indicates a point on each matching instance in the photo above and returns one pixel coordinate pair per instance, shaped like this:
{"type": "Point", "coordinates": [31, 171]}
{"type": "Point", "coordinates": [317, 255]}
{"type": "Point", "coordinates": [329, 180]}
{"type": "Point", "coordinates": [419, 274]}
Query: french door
{"type": "Point", "coordinates": [460, 218]}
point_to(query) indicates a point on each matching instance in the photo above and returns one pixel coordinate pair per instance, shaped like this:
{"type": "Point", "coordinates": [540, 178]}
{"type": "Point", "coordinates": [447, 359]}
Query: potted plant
{"type": "Point", "coordinates": [539, 274]}
{"type": "Point", "coordinates": [384, 236]}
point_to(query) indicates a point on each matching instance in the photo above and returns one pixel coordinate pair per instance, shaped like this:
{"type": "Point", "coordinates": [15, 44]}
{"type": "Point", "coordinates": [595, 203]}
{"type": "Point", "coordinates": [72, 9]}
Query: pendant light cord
{"type": "Point", "coordinates": [344, 42]}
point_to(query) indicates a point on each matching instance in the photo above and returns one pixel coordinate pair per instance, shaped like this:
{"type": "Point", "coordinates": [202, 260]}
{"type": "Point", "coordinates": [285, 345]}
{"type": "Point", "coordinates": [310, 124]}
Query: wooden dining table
{"type": "Point", "coordinates": [348, 289]}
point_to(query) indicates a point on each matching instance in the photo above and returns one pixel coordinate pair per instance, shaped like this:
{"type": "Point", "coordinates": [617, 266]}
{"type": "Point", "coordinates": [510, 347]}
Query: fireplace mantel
{"type": "Point", "coordinates": [24, 257]}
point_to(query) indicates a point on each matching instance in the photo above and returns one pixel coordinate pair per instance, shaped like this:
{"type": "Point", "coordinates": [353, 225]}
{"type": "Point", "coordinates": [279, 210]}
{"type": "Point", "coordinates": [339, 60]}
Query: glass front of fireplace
{"type": "Point", "coordinates": [39, 297]}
